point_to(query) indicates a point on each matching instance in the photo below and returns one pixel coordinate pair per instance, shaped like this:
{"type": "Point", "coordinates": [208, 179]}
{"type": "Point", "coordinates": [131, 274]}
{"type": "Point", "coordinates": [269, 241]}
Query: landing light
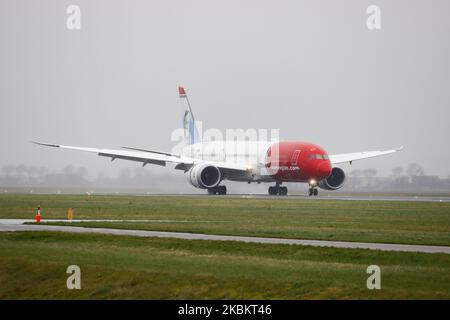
{"type": "Point", "coordinates": [312, 182]}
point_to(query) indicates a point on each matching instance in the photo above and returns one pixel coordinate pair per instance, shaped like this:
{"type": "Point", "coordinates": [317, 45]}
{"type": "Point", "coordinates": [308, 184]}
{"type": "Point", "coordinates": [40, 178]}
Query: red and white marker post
{"type": "Point", "coordinates": [38, 215]}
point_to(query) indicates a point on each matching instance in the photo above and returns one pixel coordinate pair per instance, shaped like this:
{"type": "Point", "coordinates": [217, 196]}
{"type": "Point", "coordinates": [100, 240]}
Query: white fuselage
{"type": "Point", "coordinates": [252, 154]}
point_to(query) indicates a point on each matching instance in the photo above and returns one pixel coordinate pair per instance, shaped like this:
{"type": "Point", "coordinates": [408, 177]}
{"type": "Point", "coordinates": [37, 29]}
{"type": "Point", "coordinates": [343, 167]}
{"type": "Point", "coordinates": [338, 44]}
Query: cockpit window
{"type": "Point", "coordinates": [318, 156]}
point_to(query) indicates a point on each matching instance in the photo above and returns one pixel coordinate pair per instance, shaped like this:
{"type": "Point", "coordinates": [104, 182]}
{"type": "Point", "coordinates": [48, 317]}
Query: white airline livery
{"type": "Point", "coordinates": [208, 163]}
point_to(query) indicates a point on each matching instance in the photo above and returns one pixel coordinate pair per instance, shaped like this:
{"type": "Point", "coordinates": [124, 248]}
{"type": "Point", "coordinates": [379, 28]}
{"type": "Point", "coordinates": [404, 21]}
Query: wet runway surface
{"type": "Point", "coordinates": [13, 225]}
{"type": "Point", "coordinates": [375, 197]}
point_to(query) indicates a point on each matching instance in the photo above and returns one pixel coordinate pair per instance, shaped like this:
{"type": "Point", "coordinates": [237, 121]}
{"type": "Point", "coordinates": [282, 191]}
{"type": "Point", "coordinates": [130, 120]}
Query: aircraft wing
{"type": "Point", "coordinates": [149, 157]}
{"type": "Point", "coordinates": [349, 157]}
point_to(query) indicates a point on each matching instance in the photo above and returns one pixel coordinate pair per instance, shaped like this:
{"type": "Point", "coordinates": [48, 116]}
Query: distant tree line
{"type": "Point", "coordinates": [23, 176]}
{"type": "Point", "coordinates": [409, 179]}
{"type": "Point", "coordinates": [412, 178]}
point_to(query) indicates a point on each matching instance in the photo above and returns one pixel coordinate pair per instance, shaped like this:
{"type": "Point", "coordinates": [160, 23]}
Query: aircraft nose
{"type": "Point", "coordinates": [324, 169]}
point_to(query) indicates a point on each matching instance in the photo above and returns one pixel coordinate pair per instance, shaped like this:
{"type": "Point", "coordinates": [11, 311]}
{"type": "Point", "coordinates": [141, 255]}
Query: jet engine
{"type": "Point", "coordinates": [204, 176]}
{"type": "Point", "coordinates": [334, 181]}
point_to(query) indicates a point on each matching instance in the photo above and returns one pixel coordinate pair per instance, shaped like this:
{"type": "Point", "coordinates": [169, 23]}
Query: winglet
{"type": "Point", "coordinates": [46, 144]}
{"type": "Point", "coordinates": [182, 92]}
{"type": "Point", "coordinates": [400, 149]}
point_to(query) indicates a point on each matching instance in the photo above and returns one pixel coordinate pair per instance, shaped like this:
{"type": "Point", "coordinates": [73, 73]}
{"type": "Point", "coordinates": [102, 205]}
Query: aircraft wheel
{"type": "Point", "coordinates": [272, 191]}
{"type": "Point", "coordinates": [283, 191]}
{"type": "Point", "coordinates": [222, 190]}
{"type": "Point", "coordinates": [212, 190]}
{"type": "Point", "coordinates": [310, 192]}
{"type": "Point", "coordinates": [316, 192]}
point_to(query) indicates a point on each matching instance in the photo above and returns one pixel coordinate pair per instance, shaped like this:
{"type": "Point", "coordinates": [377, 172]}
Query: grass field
{"type": "Point", "coordinates": [33, 265]}
{"type": "Point", "coordinates": [365, 221]}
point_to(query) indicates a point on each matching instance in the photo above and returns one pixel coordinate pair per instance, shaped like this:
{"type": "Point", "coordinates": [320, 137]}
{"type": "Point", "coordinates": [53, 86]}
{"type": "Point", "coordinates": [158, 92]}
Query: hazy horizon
{"type": "Point", "coordinates": [309, 68]}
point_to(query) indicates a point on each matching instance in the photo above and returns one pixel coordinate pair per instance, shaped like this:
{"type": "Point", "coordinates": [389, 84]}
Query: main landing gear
{"type": "Point", "coordinates": [218, 190]}
{"type": "Point", "coordinates": [313, 191]}
{"type": "Point", "coordinates": [278, 190]}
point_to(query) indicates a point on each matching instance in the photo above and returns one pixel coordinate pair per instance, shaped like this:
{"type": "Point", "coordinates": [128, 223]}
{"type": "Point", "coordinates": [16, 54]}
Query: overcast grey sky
{"type": "Point", "coordinates": [310, 68]}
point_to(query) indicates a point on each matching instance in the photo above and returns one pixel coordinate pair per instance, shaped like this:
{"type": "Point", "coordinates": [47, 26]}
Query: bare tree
{"type": "Point", "coordinates": [20, 169]}
{"type": "Point", "coordinates": [356, 173]}
{"type": "Point", "coordinates": [356, 178]}
{"type": "Point", "coordinates": [397, 172]}
{"type": "Point", "coordinates": [414, 170]}
{"type": "Point", "coordinates": [42, 172]}
{"type": "Point", "coordinates": [7, 170]}
{"type": "Point", "coordinates": [82, 172]}
{"type": "Point", "coordinates": [69, 170]}
{"type": "Point", "coordinates": [369, 174]}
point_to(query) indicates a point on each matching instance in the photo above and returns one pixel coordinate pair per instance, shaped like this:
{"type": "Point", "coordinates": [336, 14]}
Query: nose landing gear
{"type": "Point", "coordinates": [278, 190]}
{"type": "Point", "coordinates": [313, 191]}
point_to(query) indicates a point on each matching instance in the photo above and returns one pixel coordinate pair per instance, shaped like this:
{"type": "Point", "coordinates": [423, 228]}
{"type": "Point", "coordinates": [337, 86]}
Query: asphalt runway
{"type": "Point", "coordinates": [22, 221]}
{"type": "Point", "coordinates": [13, 225]}
{"type": "Point", "coordinates": [321, 196]}
{"type": "Point", "coordinates": [421, 198]}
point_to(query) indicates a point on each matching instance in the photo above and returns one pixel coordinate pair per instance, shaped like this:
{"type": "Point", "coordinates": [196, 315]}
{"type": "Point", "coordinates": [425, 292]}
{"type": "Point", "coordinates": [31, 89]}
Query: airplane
{"type": "Point", "coordinates": [207, 164]}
